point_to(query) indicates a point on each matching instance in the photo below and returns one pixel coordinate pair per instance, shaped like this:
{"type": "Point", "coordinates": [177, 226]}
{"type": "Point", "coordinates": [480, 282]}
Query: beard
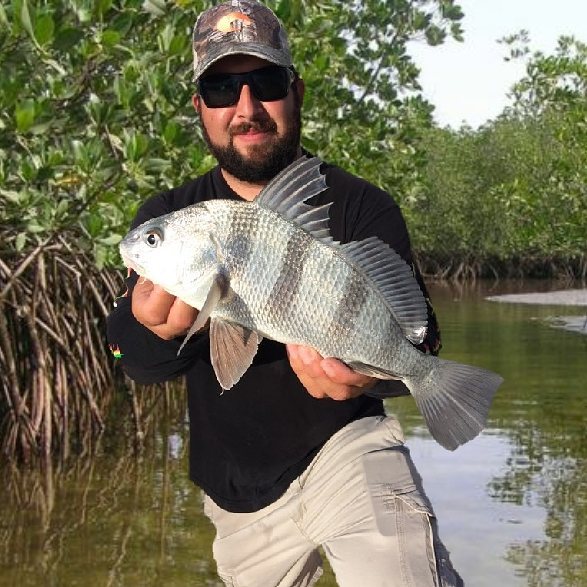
{"type": "Point", "coordinates": [263, 162]}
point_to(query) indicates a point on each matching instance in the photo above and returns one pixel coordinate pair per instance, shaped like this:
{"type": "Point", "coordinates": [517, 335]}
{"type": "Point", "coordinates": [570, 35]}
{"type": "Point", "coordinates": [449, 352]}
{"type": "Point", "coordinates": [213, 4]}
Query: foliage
{"type": "Point", "coordinates": [513, 191]}
{"type": "Point", "coordinates": [96, 111]}
{"type": "Point", "coordinates": [362, 107]}
{"type": "Point", "coordinates": [96, 116]}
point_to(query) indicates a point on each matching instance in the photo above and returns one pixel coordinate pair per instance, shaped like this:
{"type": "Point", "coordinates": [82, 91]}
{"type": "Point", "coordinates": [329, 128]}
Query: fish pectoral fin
{"type": "Point", "coordinates": [193, 329]}
{"type": "Point", "coordinates": [232, 350]}
{"type": "Point", "coordinates": [218, 289]}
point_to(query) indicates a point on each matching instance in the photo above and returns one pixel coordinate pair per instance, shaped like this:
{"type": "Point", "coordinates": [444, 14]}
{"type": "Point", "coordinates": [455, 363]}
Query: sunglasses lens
{"type": "Point", "coordinates": [270, 83]}
{"type": "Point", "coordinates": [219, 91]}
{"type": "Point", "coordinates": [267, 84]}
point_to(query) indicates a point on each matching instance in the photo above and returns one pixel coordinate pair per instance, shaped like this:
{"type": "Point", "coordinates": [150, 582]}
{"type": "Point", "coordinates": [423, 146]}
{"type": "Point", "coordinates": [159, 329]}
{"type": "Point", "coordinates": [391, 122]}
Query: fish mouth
{"type": "Point", "coordinates": [131, 262]}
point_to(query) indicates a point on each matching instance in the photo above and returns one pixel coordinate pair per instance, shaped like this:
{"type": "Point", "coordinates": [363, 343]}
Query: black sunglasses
{"type": "Point", "coordinates": [267, 85]}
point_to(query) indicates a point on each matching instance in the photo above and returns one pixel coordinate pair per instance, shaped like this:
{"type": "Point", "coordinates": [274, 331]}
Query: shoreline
{"type": "Point", "coordinates": [572, 298]}
{"type": "Point", "coordinates": [566, 297]}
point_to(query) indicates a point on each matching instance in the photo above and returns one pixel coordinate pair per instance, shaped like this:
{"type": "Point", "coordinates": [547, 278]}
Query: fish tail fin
{"type": "Point", "coordinates": [454, 400]}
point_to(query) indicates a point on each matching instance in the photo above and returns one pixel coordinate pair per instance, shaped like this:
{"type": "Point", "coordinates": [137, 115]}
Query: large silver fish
{"type": "Point", "coordinates": [269, 268]}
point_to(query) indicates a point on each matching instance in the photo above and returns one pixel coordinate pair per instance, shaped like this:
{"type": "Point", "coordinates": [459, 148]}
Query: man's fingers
{"type": "Point", "coordinates": [181, 316]}
{"type": "Point", "coordinates": [160, 311]}
{"type": "Point", "coordinates": [326, 377]}
{"type": "Point", "coordinates": [151, 303]}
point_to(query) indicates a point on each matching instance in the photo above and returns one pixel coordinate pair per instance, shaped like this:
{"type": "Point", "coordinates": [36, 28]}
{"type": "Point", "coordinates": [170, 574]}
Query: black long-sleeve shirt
{"type": "Point", "coordinates": [249, 443]}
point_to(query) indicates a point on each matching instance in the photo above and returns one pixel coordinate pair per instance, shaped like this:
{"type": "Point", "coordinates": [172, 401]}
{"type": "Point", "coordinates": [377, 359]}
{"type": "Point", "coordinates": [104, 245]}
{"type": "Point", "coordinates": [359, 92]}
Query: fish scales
{"type": "Point", "coordinates": [270, 268]}
{"type": "Point", "coordinates": [298, 289]}
{"type": "Point", "coordinates": [255, 277]}
{"type": "Point", "coordinates": [283, 301]}
{"type": "Point", "coordinates": [285, 277]}
{"type": "Point", "coordinates": [334, 292]}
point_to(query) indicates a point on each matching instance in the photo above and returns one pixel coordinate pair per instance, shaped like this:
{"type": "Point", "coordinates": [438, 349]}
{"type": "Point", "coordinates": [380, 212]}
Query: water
{"type": "Point", "coordinates": [512, 504]}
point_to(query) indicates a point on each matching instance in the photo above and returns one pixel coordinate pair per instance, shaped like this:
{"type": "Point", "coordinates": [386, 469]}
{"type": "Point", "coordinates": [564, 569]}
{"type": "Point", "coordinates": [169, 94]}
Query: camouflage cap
{"type": "Point", "coordinates": [239, 27]}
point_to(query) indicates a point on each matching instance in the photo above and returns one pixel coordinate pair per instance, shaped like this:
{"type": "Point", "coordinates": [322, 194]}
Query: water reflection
{"type": "Point", "coordinates": [536, 462]}
{"type": "Point", "coordinates": [115, 519]}
{"type": "Point", "coordinates": [477, 530]}
{"type": "Point", "coordinates": [512, 504]}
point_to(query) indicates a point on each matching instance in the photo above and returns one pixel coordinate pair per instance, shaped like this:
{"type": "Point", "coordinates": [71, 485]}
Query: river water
{"type": "Point", "coordinates": [512, 504]}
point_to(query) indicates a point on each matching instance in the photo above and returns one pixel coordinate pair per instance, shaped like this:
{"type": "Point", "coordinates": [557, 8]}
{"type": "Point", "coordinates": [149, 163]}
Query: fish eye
{"type": "Point", "coordinates": [153, 237]}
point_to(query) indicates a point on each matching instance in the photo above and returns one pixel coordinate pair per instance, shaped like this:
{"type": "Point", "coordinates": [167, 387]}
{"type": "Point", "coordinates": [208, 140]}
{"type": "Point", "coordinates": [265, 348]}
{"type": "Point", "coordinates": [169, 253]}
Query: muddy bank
{"type": "Point", "coordinates": [567, 297]}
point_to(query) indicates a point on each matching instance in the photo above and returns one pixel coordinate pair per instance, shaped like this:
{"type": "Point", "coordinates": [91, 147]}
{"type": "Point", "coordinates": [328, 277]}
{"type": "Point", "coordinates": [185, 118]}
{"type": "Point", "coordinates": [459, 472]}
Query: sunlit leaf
{"type": "Point", "coordinates": [20, 241]}
{"type": "Point", "coordinates": [25, 19]}
{"type": "Point", "coordinates": [25, 115]}
{"type": "Point", "coordinates": [44, 29]}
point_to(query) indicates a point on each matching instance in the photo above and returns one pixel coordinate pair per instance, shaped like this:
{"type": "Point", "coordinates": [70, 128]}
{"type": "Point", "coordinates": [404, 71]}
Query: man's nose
{"type": "Point", "coordinates": [247, 104]}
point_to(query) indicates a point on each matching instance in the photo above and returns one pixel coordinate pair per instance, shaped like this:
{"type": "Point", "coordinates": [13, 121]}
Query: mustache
{"type": "Point", "coordinates": [268, 125]}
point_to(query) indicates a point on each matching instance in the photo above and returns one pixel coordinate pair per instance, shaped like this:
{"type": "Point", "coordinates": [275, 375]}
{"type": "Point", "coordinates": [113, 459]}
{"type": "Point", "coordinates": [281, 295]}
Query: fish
{"type": "Point", "coordinates": [269, 268]}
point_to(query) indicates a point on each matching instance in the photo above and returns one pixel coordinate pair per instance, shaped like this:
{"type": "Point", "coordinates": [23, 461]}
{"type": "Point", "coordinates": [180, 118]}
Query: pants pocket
{"type": "Point", "coordinates": [403, 513]}
{"type": "Point", "coordinates": [228, 580]}
{"type": "Point", "coordinates": [394, 486]}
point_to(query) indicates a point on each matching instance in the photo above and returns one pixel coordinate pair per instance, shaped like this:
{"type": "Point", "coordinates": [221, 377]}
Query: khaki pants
{"type": "Point", "coordinates": [361, 499]}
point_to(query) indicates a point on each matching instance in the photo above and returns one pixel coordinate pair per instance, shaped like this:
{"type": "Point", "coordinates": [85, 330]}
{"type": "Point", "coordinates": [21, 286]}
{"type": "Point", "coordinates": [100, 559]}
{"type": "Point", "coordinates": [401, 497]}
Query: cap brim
{"type": "Point", "coordinates": [255, 49]}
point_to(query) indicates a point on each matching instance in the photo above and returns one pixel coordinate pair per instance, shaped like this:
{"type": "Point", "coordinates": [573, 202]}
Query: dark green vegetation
{"type": "Point", "coordinates": [511, 198]}
{"type": "Point", "coordinates": [96, 116]}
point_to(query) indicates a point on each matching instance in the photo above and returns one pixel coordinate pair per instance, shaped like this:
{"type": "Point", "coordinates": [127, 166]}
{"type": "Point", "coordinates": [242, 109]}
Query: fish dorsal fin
{"type": "Point", "coordinates": [288, 191]}
{"type": "Point", "coordinates": [396, 282]}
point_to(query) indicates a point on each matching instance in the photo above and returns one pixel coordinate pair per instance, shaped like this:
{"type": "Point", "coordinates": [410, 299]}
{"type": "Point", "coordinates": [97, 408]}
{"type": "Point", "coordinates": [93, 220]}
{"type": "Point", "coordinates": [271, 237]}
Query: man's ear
{"type": "Point", "coordinates": [196, 102]}
{"type": "Point", "coordinates": [300, 88]}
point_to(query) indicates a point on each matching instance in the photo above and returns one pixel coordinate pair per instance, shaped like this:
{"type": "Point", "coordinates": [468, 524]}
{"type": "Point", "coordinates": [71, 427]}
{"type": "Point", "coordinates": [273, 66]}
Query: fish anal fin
{"type": "Point", "coordinates": [232, 350]}
{"type": "Point", "coordinates": [371, 371]}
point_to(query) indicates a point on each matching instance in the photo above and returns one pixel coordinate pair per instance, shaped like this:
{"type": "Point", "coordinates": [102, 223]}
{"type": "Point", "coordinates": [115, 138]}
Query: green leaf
{"type": "Point", "coordinates": [62, 208]}
{"type": "Point", "coordinates": [20, 241]}
{"type": "Point", "coordinates": [67, 38]}
{"type": "Point", "coordinates": [283, 10]}
{"type": "Point", "coordinates": [12, 196]}
{"type": "Point", "coordinates": [41, 128]}
{"type": "Point", "coordinates": [102, 7]}
{"type": "Point", "coordinates": [3, 17]}
{"type": "Point", "coordinates": [110, 38]}
{"type": "Point", "coordinates": [25, 19]}
{"type": "Point", "coordinates": [25, 115]}
{"type": "Point", "coordinates": [435, 35]}
{"type": "Point", "coordinates": [34, 227]}
{"type": "Point", "coordinates": [153, 164]}
{"type": "Point", "coordinates": [452, 12]}
{"type": "Point", "coordinates": [155, 7]}
{"type": "Point", "coordinates": [110, 240]}
{"type": "Point", "coordinates": [44, 29]}
{"type": "Point", "coordinates": [171, 131]}
{"type": "Point", "coordinates": [94, 224]}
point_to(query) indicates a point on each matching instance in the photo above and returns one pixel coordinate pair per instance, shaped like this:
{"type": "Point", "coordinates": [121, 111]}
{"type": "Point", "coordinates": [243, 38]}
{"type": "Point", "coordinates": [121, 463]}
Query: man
{"type": "Point", "coordinates": [295, 455]}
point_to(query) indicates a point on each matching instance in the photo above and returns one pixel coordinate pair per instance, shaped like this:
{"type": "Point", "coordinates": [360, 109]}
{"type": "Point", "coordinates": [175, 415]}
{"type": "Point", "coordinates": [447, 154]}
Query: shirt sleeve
{"type": "Point", "coordinates": [144, 356]}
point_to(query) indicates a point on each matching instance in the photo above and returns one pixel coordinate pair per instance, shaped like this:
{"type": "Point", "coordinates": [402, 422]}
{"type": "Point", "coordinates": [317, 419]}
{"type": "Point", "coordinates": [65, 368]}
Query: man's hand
{"type": "Point", "coordinates": [329, 377]}
{"type": "Point", "coordinates": [161, 312]}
